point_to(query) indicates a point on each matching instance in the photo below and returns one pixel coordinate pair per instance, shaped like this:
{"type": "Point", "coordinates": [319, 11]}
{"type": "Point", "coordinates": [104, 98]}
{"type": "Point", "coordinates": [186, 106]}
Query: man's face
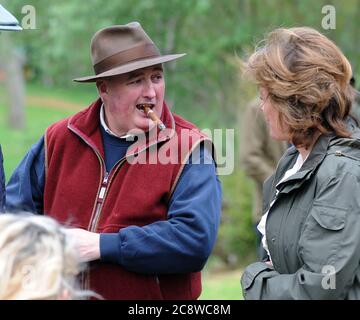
{"type": "Point", "coordinates": [122, 94]}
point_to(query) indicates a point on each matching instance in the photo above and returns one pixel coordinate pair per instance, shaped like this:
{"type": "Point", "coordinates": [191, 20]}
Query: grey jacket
{"type": "Point", "coordinates": [313, 227]}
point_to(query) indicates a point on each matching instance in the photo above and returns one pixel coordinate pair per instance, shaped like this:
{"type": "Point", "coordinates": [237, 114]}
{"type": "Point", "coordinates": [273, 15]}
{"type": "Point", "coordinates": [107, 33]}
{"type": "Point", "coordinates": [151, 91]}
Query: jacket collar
{"type": "Point", "coordinates": [86, 124]}
{"type": "Point", "coordinates": [314, 159]}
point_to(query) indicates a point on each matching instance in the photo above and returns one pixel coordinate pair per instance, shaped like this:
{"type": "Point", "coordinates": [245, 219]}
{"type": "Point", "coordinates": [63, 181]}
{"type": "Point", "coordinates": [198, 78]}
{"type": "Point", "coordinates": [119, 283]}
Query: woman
{"type": "Point", "coordinates": [311, 221]}
{"type": "Point", "coordinates": [38, 260]}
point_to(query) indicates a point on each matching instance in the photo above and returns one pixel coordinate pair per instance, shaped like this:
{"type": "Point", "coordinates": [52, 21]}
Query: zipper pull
{"type": "Point", "coordinates": [106, 178]}
{"type": "Point", "coordinates": [103, 186]}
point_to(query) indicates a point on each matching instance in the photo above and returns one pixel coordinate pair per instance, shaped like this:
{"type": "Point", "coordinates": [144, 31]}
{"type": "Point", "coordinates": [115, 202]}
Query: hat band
{"type": "Point", "coordinates": [140, 52]}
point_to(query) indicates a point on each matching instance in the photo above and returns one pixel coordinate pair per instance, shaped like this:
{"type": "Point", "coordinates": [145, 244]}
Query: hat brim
{"type": "Point", "coordinates": [139, 64]}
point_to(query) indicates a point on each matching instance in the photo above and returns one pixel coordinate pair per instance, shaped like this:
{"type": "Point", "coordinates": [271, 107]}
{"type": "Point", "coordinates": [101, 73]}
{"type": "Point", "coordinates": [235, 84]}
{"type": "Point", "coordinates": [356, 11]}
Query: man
{"type": "Point", "coordinates": [259, 155]}
{"type": "Point", "coordinates": [8, 23]}
{"type": "Point", "coordinates": [147, 226]}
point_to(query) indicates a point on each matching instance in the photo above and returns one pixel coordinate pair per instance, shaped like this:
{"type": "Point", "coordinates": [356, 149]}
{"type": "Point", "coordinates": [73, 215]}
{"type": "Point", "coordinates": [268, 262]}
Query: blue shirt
{"type": "Point", "coordinates": [178, 245]}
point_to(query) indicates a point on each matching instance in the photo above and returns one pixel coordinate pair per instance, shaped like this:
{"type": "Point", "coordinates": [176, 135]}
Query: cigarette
{"type": "Point", "coordinates": [152, 115]}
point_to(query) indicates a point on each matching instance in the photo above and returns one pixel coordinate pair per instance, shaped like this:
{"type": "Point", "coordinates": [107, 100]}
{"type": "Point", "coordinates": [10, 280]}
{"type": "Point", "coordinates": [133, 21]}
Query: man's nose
{"type": "Point", "coordinates": [149, 90]}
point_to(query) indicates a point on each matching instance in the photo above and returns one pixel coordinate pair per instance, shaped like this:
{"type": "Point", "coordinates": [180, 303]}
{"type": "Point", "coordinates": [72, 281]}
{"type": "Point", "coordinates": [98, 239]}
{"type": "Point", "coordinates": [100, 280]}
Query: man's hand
{"type": "Point", "coordinates": [87, 243]}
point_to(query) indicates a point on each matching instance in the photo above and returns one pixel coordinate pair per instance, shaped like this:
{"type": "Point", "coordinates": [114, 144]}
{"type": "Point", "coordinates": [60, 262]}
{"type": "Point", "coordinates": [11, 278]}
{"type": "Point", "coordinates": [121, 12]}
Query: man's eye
{"type": "Point", "coordinates": [157, 77]}
{"type": "Point", "coordinates": [137, 81]}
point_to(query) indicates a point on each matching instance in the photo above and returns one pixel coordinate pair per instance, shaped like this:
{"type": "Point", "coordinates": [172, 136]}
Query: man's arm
{"type": "Point", "coordinates": [180, 244]}
{"type": "Point", "coordinates": [25, 189]}
{"type": "Point", "coordinates": [183, 242]}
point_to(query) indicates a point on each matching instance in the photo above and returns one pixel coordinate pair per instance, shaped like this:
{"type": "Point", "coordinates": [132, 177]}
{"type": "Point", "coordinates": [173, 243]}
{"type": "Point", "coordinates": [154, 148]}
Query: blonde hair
{"type": "Point", "coordinates": [37, 259]}
{"type": "Point", "coordinates": [308, 80]}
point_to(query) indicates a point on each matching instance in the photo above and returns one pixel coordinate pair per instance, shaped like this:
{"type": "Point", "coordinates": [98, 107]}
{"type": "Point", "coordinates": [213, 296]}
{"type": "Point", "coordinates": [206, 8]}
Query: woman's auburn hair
{"type": "Point", "coordinates": [308, 80]}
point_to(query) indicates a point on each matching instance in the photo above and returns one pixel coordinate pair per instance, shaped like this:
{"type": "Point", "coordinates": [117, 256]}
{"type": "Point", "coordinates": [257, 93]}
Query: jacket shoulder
{"type": "Point", "coordinates": [57, 128]}
{"type": "Point", "coordinates": [340, 160]}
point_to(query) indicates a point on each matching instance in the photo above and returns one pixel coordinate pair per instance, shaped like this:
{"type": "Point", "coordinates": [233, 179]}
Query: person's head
{"type": "Point", "coordinates": [38, 260]}
{"type": "Point", "coordinates": [304, 82]}
{"type": "Point", "coordinates": [123, 94]}
{"type": "Point", "coordinates": [128, 72]}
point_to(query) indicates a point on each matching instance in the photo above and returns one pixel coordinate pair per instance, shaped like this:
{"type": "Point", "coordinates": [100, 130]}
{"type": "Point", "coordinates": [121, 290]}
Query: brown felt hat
{"type": "Point", "coordinates": [123, 48]}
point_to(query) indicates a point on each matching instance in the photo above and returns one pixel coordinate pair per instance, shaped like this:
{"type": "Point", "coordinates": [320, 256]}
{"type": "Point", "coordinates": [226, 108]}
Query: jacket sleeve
{"type": "Point", "coordinates": [25, 189]}
{"type": "Point", "coordinates": [329, 248]}
{"type": "Point", "coordinates": [253, 137]}
{"type": "Point", "coordinates": [182, 243]}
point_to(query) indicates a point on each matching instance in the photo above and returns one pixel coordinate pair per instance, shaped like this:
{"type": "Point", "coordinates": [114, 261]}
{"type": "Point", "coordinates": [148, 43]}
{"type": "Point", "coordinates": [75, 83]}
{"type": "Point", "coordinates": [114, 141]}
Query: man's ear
{"type": "Point", "coordinates": [102, 87]}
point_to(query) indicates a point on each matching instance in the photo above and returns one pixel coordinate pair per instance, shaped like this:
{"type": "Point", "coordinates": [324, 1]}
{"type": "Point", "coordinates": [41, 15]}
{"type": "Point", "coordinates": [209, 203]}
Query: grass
{"type": "Point", "coordinates": [15, 143]}
{"type": "Point", "coordinates": [81, 94]}
{"type": "Point", "coordinates": [221, 285]}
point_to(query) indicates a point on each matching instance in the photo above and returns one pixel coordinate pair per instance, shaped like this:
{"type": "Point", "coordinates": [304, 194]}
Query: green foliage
{"type": "Point", "coordinates": [16, 143]}
{"type": "Point", "coordinates": [221, 285]}
{"type": "Point", "coordinates": [210, 31]}
{"type": "Point", "coordinates": [236, 240]}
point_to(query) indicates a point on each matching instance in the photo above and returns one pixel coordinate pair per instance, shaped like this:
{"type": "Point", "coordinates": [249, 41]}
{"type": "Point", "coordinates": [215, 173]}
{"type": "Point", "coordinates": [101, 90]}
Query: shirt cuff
{"type": "Point", "coordinates": [110, 244]}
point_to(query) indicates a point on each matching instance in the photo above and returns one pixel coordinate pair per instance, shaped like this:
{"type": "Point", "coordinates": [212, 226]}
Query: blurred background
{"type": "Point", "coordinates": [38, 64]}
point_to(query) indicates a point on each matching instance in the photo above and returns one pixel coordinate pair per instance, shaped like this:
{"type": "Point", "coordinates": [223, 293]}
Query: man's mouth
{"type": "Point", "coordinates": [142, 106]}
{"type": "Point", "coordinates": [146, 108]}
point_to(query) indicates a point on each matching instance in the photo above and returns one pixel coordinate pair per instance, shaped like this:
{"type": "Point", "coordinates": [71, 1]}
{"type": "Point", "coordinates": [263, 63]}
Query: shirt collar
{"type": "Point", "coordinates": [107, 129]}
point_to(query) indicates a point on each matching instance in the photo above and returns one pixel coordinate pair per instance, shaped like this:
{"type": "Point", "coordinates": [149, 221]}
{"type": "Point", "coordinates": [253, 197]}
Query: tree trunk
{"type": "Point", "coordinates": [12, 63]}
